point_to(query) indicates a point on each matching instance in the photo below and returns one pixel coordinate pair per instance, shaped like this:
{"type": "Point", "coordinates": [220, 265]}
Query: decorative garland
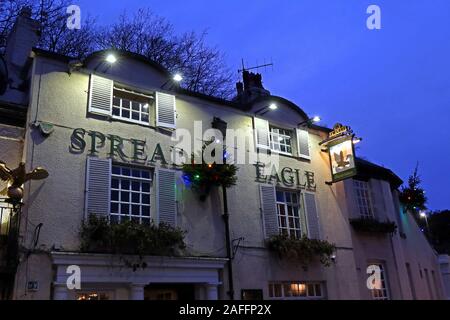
{"type": "Point", "coordinates": [373, 226]}
{"type": "Point", "coordinates": [302, 250]}
{"type": "Point", "coordinates": [203, 177]}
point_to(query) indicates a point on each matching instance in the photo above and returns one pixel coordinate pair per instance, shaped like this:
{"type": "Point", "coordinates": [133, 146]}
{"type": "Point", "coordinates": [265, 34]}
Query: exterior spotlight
{"type": "Point", "coordinates": [266, 109]}
{"type": "Point", "coordinates": [423, 214]}
{"type": "Point", "coordinates": [111, 58]}
{"type": "Point", "coordinates": [177, 77]}
{"type": "Point", "coordinates": [356, 140]}
{"type": "Point", "coordinates": [310, 121]}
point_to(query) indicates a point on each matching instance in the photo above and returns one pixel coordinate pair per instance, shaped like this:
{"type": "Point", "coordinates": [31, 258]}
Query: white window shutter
{"type": "Point", "coordinates": [303, 144]}
{"type": "Point", "coordinates": [98, 185]}
{"type": "Point", "coordinates": [261, 133]}
{"type": "Point", "coordinates": [100, 95]}
{"type": "Point", "coordinates": [312, 218]}
{"type": "Point", "coordinates": [166, 196]}
{"type": "Point", "coordinates": [269, 210]}
{"type": "Point", "coordinates": [165, 110]}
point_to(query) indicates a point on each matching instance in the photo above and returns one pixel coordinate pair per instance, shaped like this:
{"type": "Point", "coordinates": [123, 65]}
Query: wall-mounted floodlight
{"type": "Point", "coordinates": [310, 121]}
{"type": "Point", "coordinates": [175, 80]}
{"type": "Point", "coordinates": [266, 109]}
{"type": "Point", "coordinates": [110, 58]}
{"type": "Point", "coordinates": [177, 77]}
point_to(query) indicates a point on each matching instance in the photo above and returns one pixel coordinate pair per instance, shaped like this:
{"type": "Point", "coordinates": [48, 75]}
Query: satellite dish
{"type": "Point", "coordinates": [3, 76]}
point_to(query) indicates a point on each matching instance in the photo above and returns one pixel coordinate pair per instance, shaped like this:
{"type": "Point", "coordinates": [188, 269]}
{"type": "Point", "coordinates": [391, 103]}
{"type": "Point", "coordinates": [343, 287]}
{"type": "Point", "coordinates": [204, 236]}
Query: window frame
{"type": "Point", "coordinates": [141, 104]}
{"type": "Point", "coordinates": [120, 177]}
{"type": "Point", "coordinates": [385, 292]}
{"type": "Point", "coordinates": [284, 296]}
{"type": "Point", "coordinates": [363, 199]}
{"type": "Point", "coordinates": [290, 231]}
{"type": "Point", "coordinates": [290, 135]}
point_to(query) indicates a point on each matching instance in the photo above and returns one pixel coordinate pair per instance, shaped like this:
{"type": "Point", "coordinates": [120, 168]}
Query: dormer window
{"type": "Point", "coordinates": [281, 140]}
{"type": "Point", "coordinates": [131, 106]}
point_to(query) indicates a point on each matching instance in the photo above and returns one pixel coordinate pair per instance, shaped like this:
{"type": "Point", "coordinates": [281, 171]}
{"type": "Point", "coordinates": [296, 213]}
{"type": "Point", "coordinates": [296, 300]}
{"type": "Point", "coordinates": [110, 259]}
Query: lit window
{"type": "Point", "coordinates": [383, 292]}
{"type": "Point", "coordinates": [363, 198]}
{"type": "Point", "coordinates": [93, 296]}
{"type": "Point", "coordinates": [130, 194]}
{"type": "Point", "coordinates": [295, 290]}
{"type": "Point", "coordinates": [131, 106]}
{"type": "Point", "coordinates": [280, 140]}
{"type": "Point", "coordinates": [288, 209]}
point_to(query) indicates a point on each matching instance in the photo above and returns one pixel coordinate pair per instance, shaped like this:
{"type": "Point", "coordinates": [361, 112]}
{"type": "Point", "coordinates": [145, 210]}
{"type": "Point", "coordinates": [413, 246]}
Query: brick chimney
{"type": "Point", "coordinates": [251, 88]}
{"type": "Point", "coordinates": [22, 38]}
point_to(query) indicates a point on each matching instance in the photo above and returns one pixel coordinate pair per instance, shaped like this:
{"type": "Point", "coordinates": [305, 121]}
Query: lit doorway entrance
{"type": "Point", "coordinates": [169, 291]}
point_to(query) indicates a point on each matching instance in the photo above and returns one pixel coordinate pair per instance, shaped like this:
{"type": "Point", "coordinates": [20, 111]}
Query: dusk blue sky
{"type": "Point", "coordinates": [391, 85]}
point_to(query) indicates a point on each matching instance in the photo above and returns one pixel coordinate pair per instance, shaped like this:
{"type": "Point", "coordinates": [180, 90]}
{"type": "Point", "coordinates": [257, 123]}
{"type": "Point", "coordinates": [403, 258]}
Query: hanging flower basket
{"type": "Point", "coordinates": [203, 177]}
{"type": "Point", "coordinates": [302, 250]}
{"type": "Point", "coordinates": [373, 226]}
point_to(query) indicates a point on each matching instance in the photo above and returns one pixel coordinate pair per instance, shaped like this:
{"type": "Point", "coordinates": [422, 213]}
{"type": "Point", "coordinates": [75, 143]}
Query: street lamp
{"type": "Point", "coordinates": [423, 215]}
{"type": "Point", "coordinates": [110, 58]}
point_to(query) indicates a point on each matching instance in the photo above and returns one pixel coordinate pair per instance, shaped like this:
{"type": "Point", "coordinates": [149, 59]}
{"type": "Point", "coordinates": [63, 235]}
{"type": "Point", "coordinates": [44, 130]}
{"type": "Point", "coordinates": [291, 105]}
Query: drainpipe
{"type": "Point", "coordinates": [226, 217]}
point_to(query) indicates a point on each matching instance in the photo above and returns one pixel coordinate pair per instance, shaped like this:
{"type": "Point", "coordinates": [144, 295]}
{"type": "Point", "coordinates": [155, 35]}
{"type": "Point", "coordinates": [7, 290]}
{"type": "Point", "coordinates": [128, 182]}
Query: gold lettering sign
{"type": "Point", "coordinates": [339, 129]}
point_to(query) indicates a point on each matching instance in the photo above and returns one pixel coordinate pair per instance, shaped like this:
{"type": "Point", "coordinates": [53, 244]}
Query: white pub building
{"type": "Point", "coordinates": [103, 129]}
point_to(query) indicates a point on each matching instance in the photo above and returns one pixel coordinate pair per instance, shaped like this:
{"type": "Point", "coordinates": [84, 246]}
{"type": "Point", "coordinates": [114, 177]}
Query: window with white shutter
{"type": "Point", "coordinates": [269, 210]}
{"type": "Point", "coordinates": [261, 128]}
{"type": "Point", "coordinates": [98, 186]}
{"type": "Point", "coordinates": [311, 215]}
{"type": "Point", "coordinates": [166, 201]}
{"type": "Point", "coordinates": [303, 144]}
{"type": "Point", "coordinates": [165, 110]}
{"type": "Point", "coordinates": [100, 95]}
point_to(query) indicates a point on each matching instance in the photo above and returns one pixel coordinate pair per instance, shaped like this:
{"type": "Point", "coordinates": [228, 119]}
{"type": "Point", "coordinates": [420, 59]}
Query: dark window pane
{"type": "Point", "coordinates": [145, 221]}
{"type": "Point", "coordinates": [116, 112]}
{"type": "Point", "coordinates": [144, 117]}
{"type": "Point", "coordinates": [135, 197]}
{"type": "Point", "coordinates": [146, 211]}
{"type": "Point", "coordinates": [135, 210]}
{"type": "Point", "coordinates": [114, 207]}
{"type": "Point", "coordinates": [125, 103]}
{"type": "Point", "coordinates": [135, 186]}
{"type": "Point", "coordinates": [124, 196]}
{"type": "Point", "coordinates": [125, 184]}
{"type": "Point", "coordinates": [115, 170]}
{"type": "Point", "coordinates": [146, 198]}
{"type": "Point", "coordinates": [146, 174]}
{"type": "Point", "coordinates": [135, 105]}
{"type": "Point", "coordinates": [280, 196]}
{"type": "Point", "coordinates": [318, 290]}
{"type": "Point", "coordinates": [146, 187]}
{"type": "Point", "coordinates": [115, 195]}
{"type": "Point", "coordinates": [125, 171]}
{"type": "Point", "coordinates": [116, 101]}
{"type": "Point", "coordinates": [135, 115]}
{"type": "Point", "coordinates": [288, 197]}
{"type": "Point", "coordinates": [125, 113]}
{"type": "Point", "coordinates": [124, 209]}
{"type": "Point", "coordinates": [114, 183]}
{"type": "Point", "coordinates": [136, 173]}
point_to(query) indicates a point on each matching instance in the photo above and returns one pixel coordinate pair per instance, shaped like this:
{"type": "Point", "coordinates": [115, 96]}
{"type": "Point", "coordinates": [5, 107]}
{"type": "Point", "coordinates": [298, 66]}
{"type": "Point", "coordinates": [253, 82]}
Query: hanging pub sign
{"type": "Point", "coordinates": [340, 145]}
